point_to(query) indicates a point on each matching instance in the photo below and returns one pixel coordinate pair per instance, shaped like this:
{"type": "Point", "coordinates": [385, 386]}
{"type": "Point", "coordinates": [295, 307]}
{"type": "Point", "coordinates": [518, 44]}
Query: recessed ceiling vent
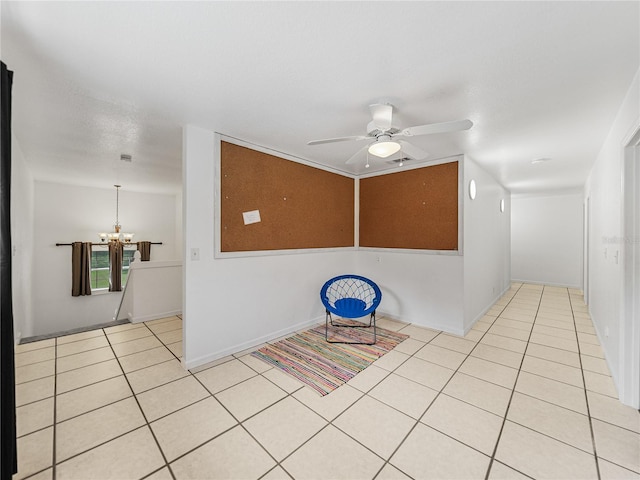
{"type": "Point", "coordinates": [398, 161]}
{"type": "Point", "coordinates": [125, 158]}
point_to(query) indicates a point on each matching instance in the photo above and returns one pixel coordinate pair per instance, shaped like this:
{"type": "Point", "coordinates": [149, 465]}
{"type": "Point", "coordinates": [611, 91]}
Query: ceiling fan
{"type": "Point", "coordinates": [385, 136]}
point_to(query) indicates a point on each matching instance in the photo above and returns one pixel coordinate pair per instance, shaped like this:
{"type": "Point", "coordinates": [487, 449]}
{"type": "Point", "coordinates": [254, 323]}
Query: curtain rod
{"type": "Point", "coordinates": [105, 244]}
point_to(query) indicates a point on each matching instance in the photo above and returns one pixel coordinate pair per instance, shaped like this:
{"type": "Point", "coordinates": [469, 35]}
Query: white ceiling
{"type": "Point", "coordinates": [96, 79]}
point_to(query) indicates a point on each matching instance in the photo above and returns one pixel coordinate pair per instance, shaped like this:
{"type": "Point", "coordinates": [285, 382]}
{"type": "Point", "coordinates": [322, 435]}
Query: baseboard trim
{"type": "Point", "coordinates": [486, 309]}
{"type": "Point", "coordinates": [153, 316]}
{"type": "Point", "coordinates": [548, 284]}
{"type": "Point", "coordinates": [211, 357]}
{"type": "Point", "coordinates": [37, 338]}
{"type": "Point", "coordinates": [432, 326]}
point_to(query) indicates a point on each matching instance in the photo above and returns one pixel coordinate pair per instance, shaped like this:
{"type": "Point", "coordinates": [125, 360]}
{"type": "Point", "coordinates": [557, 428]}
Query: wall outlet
{"type": "Point", "coordinates": [195, 254]}
{"type": "Point", "coordinates": [606, 332]}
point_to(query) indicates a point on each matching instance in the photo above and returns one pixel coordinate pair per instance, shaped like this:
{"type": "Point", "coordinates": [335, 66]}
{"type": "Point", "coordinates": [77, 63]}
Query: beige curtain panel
{"type": "Point", "coordinates": [145, 251]}
{"type": "Point", "coordinates": [80, 269]}
{"type": "Point", "coordinates": [115, 266]}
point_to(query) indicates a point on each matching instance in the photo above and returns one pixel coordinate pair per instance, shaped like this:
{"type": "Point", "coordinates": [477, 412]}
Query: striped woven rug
{"type": "Point", "coordinates": [325, 366]}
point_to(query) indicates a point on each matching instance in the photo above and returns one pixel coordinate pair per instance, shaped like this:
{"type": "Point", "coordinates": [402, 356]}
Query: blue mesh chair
{"type": "Point", "coordinates": [350, 296]}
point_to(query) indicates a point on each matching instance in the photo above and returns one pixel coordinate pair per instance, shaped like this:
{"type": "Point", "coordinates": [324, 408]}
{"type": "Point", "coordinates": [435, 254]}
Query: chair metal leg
{"type": "Point", "coordinates": [329, 319]}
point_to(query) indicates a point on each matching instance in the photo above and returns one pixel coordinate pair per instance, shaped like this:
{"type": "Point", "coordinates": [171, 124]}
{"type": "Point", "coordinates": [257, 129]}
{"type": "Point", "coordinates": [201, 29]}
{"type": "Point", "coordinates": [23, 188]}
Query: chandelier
{"type": "Point", "coordinates": [117, 235]}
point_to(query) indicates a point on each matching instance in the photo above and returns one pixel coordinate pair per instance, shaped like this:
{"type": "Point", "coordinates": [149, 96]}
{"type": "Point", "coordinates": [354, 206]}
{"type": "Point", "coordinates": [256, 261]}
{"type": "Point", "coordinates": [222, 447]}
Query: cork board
{"type": "Point", "coordinates": [294, 206]}
{"type": "Point", "coordinates": [416, 209]}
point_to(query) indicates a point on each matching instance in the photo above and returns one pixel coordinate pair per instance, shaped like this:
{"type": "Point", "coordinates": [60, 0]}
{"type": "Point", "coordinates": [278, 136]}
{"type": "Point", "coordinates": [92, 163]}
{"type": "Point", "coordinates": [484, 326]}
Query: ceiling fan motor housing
{"type": "Point", "coordinates": [373, 131]}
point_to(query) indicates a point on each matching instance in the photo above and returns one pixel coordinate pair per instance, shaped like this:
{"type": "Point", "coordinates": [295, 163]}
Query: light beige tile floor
{"type": "Point", "coordinates": [525, 394]}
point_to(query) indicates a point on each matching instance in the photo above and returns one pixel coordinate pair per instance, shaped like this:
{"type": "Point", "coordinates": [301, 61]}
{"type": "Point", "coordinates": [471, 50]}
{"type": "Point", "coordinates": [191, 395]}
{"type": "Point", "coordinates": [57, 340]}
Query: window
{"type": "Point", "coordinates": [100, 268]}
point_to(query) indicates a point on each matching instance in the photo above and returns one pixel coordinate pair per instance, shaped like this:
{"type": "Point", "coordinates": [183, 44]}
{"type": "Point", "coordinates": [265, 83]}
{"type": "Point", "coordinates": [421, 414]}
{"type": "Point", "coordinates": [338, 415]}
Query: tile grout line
{"type": "Point", "coordinates": [68, 333]}
{"type": "Point", "coordinates": [506, 413]}
{"type": "Point", "coordinates": [112, 403]}
{"type": "Point", "coordinates": [240, 423]}
{"type": "Point", "coordinates": [164, 344]}
{"type": "Point", "coordinates": [147, 424]}
{"type": "Point", "coordinates": [76, 455]}
{"type": "Point", "coordinates": [55, 407]}
{"type": "Point", "coordinates": [546, 401]}
{"type": "Point", "coordinates": [417, 421]}
{"type": "Point", "coordinates": [106, 336]}
{"type": "Point", "coordinates": [329, 422]}
{"type": "Point", "coordinates": [504, 416]}
{"type": "Point", "coordinates": [105, 346]}
{"type": "Point", "coordinates": [258, 373]}
{"type": "Point", "coordinates": [586, 398]}
{"type": "Point", "coordinates": [134, 395]}
{"type": "Point", "coordinates": [440, 391]}
{"type": "Point", "coordinates": [534, 374]}
{"type": "Point", "coordinates": [364, 394]}
{"type": "Point", "coordinates": [435, 398]}
{"type": "Point", "coordinates": [291, 394]}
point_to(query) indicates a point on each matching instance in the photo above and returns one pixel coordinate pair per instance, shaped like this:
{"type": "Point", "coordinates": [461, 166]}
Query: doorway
{"type": "Point", "coordinates": [630, 334]}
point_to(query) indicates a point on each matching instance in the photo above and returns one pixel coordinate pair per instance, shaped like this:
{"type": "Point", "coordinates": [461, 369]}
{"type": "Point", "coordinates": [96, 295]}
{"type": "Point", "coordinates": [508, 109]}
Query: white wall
{"type": "Point", "coordinates": [234, 303]}
{"type": "Point", "coordinates": [603, 188]}
{"type": "Point", "coordinates": [486, 242]}
{"type": "Point", "coordinates": [546, 239]}
{"type": "Point", "coordinates": [420, 288]}
{"type": "Point", "coordinates": [179, 247]}
{"type": "Point", "coordinates": [65, 213]}
{"type": "Point", "coordinates": [450, 292]}
{"type": "Point", "coordinates": [22, 198]}
{"type": "Point", "coordinates": [154, 290]}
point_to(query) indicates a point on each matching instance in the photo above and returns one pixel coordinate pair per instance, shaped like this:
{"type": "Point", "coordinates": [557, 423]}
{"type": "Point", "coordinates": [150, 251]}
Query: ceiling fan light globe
{"type": "Point", "coordinates": [384, 149]}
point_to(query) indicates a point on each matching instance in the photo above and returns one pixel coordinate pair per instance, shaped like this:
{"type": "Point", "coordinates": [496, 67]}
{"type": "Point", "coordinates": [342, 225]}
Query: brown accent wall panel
{"type": "Point", "coordinates": [415, 209]}
{"type": "Point", "coordinates": [300, 206]}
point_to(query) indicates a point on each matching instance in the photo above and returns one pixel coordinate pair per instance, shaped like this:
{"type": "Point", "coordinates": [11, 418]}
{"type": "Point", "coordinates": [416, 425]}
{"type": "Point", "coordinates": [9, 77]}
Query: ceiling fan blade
{"type": "Point", "coordinates": [444, 127]}
{"type": "Point", "coordinates": [412, 151]}
{"type": "Point", "coordinates": [357, 156]}
{"type": "Point", "coordinates": [382, 114]}
{"type": "Point", "coordinates": [338, 139]}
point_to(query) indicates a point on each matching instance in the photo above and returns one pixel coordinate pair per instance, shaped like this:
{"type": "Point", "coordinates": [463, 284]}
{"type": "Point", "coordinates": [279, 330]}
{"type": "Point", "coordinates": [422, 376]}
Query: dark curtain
{"type": "Point", "coordinates": [80, 269]}
{"type": "Point", "coordinates": [145, 251]}
{"type": "Point", "coordinates": [115, 266]}
{"type": "Point", "coordinates": [8, 459]}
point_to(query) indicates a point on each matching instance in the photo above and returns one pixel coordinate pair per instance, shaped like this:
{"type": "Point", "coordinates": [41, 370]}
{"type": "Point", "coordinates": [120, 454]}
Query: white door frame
{"type": "Point", "coordinates": [587, 241]}
{"type": "Point", "coordinates": [629, 385]}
